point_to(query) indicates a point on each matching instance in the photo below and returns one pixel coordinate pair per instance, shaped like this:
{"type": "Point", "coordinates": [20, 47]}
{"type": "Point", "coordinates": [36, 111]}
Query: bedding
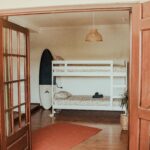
{"type": "Point", "coordinates": [62, 95]}
{"type": "Point", "coordinates": [87, 100]}
{"type": "Point", "coordinates": [115, 69]}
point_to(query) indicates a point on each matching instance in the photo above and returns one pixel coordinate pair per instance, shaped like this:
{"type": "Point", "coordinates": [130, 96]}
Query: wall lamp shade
{"type": "Point", "coordinates": [93, 36]}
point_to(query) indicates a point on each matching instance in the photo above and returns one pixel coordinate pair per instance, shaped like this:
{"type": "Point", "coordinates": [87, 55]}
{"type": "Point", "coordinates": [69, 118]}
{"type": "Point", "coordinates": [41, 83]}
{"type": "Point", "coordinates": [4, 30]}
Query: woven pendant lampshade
{"type": "Point", "coordinates": [93, 35]}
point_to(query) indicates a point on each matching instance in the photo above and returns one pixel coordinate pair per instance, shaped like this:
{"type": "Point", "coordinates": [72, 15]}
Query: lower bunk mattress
{"type": "Point", "coordinates": [86, 100]}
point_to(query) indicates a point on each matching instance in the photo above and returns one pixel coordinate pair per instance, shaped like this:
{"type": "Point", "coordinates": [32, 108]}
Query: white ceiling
{"type": "Point", "coordinates": [42, 21]}
{"type": "Point", "coordinates": [72, 19]}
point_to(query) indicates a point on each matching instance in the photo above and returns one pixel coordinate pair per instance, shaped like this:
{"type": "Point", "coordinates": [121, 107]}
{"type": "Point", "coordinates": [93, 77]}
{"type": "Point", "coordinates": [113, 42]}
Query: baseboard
{"type": "Point", "coordinates": [34, 107]}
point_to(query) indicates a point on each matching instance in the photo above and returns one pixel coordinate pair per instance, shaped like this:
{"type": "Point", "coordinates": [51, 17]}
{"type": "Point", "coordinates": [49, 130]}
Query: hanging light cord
{"type": "Point", "coordinates": [93, 20]}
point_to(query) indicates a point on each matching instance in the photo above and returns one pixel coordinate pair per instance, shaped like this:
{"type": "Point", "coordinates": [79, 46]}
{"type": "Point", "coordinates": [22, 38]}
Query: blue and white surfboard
{"type": "Point", "coordinates": [45, 79]}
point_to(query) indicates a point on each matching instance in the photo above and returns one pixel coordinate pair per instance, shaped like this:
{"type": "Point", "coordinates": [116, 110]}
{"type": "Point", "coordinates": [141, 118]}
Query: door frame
{"type": "Point", "coordinates": [131, 7]}
{"type": "Point", "coordinates": [67, 9]}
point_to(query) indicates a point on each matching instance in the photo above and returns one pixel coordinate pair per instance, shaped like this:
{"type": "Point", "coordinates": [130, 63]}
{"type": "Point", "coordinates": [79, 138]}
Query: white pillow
{"type": "Point", "coordinates": [62, 95]}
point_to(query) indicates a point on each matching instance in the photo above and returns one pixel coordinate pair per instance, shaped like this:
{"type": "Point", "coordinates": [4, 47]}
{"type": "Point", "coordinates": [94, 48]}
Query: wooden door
{"type": "Point", "coordinates": [139, 133]}
{"type": "Point", "coordinates": [14, 87]}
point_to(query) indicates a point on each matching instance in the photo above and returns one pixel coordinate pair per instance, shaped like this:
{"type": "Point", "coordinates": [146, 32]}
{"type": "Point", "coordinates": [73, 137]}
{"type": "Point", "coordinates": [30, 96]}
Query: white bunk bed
{"type": "Point", "coordinates": [109, 69]}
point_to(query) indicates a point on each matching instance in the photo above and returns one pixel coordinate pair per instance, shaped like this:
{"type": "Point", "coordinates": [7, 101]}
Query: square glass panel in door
{"type": "Point", "coordinates": [15, 41]}
{"type": "Point", "coordinates": [22, 43]}
{"type": "Point", "coordinates": [6, 40]}
{"type": "Point", "coordinates": [23, 115]}
{"type": "Point", "coordinates": [17, 119]}
{"type": "Point", "coordinates": [8, 123]}
{"type": "Point", "coordinates": [6, 69]}
{"type": "Point", "coordinates": [7, 96]}
{"type": "Point", "coordinates": [22, 91]}
{"type": "Point", "coordinates": [22, 68]}
{"type": "Point", "coordinates": [15, 94]}
{"type": "Point", "coordinates": [15, 69]}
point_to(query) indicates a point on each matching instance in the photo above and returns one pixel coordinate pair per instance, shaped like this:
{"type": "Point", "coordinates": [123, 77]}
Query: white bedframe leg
{"type": "Point", "coordinates": [52, 113]}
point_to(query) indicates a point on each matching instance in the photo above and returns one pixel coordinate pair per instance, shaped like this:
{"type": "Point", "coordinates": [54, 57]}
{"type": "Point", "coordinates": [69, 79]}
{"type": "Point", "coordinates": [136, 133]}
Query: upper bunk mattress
{"type": "Point", "coordinates": [115, 69]}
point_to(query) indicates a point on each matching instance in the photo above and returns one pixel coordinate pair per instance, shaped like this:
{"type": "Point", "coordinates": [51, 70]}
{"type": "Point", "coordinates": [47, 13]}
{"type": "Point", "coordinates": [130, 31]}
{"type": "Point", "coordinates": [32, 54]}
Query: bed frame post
{"type": "Point", "coordinates": [52, 94]}
{"type": "Point", "coordinates": [126, 79]}
{"type": "Point", "coordinates": [111, 85]}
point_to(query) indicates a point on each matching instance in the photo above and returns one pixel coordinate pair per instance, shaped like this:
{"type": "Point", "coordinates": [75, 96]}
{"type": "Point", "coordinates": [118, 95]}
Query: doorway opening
{"type": "Point", "coordinates": [64, 35]}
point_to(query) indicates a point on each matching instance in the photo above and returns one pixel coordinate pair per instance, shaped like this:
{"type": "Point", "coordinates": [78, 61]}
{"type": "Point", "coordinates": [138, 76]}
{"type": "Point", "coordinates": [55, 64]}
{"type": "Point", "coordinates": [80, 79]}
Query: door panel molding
{"type": "Point", "coordinates": [140, 79]}
{"type": "Point", "coordinates": [146, 12]}
{"type": "Point", "coordinates": [13, 138]}
{"type": "Point", "coordinates": [145, 24]}
{"type": "Point", "coordinates": [144, 113]}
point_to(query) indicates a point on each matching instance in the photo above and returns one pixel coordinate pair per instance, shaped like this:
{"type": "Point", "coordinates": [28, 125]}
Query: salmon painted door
{"type": "Point", "coordinates": [139, 133]}
{"type": "Point", "coordinates": [14, 87]}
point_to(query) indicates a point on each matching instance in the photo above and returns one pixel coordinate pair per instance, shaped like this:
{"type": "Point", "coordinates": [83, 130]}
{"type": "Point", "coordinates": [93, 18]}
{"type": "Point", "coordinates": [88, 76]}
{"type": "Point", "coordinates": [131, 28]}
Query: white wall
{"type": "Point", "coordinates": [84, 85]}
{"type": "Point", "coordinates": [69, 43]}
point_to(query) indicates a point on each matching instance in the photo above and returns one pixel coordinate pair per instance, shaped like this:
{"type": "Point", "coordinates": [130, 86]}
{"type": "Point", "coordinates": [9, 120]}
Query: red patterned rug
{"type": "Point", "coordinates": [61, 136]}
